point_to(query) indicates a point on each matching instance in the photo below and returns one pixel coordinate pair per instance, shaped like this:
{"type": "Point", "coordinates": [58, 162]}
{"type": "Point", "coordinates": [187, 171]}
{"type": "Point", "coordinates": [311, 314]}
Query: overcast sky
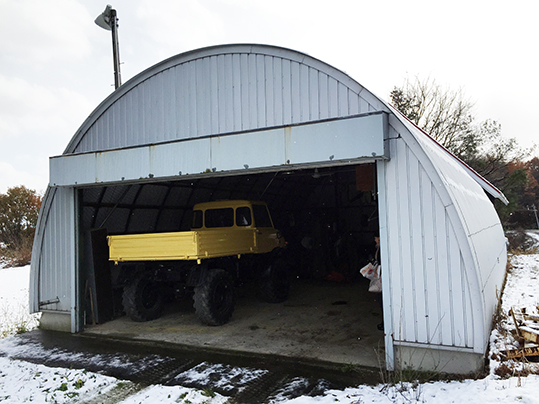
{"type": "Point", "coordinates": [56, 64]}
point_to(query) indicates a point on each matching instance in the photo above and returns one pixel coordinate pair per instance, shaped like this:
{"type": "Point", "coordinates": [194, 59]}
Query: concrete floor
{"type": "Point", "coordinates": [321, 321]}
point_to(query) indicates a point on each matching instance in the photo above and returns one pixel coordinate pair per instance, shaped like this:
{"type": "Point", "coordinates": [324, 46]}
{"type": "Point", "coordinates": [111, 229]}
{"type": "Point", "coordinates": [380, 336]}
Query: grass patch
{"type": "Point", "coordinates": [520, 242]}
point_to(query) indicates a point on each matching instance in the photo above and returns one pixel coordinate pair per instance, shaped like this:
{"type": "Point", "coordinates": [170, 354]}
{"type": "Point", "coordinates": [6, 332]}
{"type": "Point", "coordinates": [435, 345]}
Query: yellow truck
{"type": "Point", "coordinates": [229, 241]}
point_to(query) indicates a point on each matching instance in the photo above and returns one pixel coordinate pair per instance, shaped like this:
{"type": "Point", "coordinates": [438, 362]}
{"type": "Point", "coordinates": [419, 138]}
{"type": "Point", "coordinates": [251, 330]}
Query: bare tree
{"type": "Point", "coordinates": [444, 114]}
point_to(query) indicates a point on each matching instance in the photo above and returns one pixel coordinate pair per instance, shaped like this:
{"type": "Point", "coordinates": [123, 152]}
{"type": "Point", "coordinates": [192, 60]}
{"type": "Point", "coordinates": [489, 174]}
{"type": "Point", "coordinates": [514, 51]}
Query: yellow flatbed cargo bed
{"type": "Point", "coordinates": [186, 245]}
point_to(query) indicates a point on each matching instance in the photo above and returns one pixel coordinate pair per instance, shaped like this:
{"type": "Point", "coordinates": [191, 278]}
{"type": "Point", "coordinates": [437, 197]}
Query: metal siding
{"type": "Point", "coordinates": [130, 124]}
{"type": "Point", "coordinates": [213, 94]}
{"type": "Point", "coordinates": [394, 270]}
{"type": "Point", "coordinates": [480, 237]}
{"type": "Point", "coordinates": [323, 96]}
{"type": "Point", "coordinates": [425, 213]}
{"type": "Point", "coordinates": [182, 119]}
{"type": "Point", "coordinates": [236, 92]}
{"type": "Point", "coordinates": [442, 320]}
{"type": "Point", "coordinates": [457, 303]}
{"type": "Point", "coordinates": [304, 90]}
{"type": "Point", "coordinates": [169, 108]}
{"type": "Point", "coordinates": [417, 231]}
{"type": "Point", "coordinates": [295, 93]}
{"type": "Point", "coordinates": [430, 268]}
{"type": "Point", "coordinates": [220, 94]}
{"type": "Point", "coordinates": [314, 97]}
{"type": "Point", "coordinates": [327, 142]}
{"type": "Point", "coordinates": [469, 324]}
{"type": "Point", "coordinates": [190, 93]}
{"type": "Point", "coordinates": [353, 103]}
{"type": "Point", "coordinates": [405, 229]}
{"type": "Point", "coordinates": [277, 88]}
{"type": "Point", "coordinates": [388, 271]}
{"type": "Point", "coordinates": [344, 109]}
{"type": "Point", "coordinates": [364, 106]}
{"type": "Point", "coordinates": [262, 99]}
{"type": "Point", "coordinates": [450, 305]}
{"type": "Point", "coordinates": [429, 292]}
{"type": "Point", "coordinates": [287, 93]}
{"type": "Point", "coordinates": [333, 97]}
{"type": "Point", "coordinates": [227, 96]}
{"type": "Point", "coordinates": [218, 90]}
{"type": "Point", "coordinates": [56, 257]}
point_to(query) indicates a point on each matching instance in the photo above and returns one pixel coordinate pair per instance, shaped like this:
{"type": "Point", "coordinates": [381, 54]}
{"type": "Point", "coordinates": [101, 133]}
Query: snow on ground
{"type": "Point", "coordinates": [22, 381]}
{"type": "Point", "coordinates": [522, 291]}
{"type": "Point", "coordinates": [14, 316]}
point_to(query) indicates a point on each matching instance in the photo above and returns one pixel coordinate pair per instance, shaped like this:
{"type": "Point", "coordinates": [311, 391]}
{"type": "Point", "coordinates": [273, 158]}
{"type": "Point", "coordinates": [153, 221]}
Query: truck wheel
{"type": "Point", "coordinates": [214, 299]}
{"type": "Point", "coordinates": [275, 282]}
{"type": "Point", "coordinates": [142, 299]}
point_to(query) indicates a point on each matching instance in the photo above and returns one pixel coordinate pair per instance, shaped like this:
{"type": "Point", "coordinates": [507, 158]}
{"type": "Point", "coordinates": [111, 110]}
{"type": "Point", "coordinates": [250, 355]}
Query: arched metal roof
{"type": "Point", "coordinates": [218, 90]}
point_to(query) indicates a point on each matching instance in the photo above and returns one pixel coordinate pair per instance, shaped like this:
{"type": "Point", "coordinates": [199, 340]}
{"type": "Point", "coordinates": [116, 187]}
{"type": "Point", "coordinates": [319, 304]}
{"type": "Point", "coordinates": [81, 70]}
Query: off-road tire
{"type": "Point", "coordinates": [214, 298]}
{"type": "Point", "coordinates": [142, 298]}
{"type": "Point", "coordinates": [274, 282]}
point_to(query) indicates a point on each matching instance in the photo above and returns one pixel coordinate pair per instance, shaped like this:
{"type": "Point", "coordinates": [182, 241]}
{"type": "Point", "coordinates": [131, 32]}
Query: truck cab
{"type": "Point", "coordinates": [241, 226]}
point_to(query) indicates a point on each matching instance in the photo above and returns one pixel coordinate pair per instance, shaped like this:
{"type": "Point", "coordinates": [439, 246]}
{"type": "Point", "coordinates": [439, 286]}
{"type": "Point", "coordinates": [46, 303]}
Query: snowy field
{"type": "Point", "coordinates": [22, 382]}
{"type": "Point", "coordinates": [14, 316]}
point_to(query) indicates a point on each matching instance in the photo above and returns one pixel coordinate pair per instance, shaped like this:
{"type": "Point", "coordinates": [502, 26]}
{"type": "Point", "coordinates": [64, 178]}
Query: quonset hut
{"type": "Point", "coordinates": [250, 121]}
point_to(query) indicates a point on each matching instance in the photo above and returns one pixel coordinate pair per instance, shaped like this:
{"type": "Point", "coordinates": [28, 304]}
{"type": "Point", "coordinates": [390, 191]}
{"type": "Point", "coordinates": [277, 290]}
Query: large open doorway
{"type": "Point", "coordinates": [329, 217]}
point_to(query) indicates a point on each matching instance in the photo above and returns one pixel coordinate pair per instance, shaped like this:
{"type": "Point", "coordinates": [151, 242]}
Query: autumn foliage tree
{"type": "Point", "coordinates": [19, 208]}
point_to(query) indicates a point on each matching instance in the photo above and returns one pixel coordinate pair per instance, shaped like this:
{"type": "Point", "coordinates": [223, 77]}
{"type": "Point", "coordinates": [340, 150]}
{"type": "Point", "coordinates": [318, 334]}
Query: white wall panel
{"type": "Point", "coordinates": [325, 143]}
{"type": "Point", "coordinates": [54, 247]}
{"type": "Point", "coordinates": [428, 291]}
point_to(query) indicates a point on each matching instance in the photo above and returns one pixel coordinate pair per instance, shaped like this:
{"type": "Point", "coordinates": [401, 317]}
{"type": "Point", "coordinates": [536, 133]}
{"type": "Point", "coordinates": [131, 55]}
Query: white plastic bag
{"type": "Point", "coordinates": [369, 270]}
{"type": "Point", "coordinates": [372, 271]}
{"type": "Point", "coordinates": [376, 282]}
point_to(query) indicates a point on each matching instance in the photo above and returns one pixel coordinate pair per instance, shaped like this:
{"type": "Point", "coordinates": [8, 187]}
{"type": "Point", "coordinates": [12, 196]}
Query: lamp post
{"type": "Point", "coordinates": [108, 20]}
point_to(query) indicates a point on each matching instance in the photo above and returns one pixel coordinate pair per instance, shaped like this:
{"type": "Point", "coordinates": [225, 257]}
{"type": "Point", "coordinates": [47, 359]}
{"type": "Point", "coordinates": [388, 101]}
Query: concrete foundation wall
{"type": "Point", "coordinates": [441, 360]}
{"type": "Point", "coordinates": [55, 321]}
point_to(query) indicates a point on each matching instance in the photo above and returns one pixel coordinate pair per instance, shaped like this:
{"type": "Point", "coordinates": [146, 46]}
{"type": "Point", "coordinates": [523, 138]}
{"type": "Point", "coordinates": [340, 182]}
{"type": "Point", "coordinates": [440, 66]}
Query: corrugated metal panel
{"type": "Point", "coordinates": [429, 292]}
{"type": "Point", "coordinates": [235, 88]}
{"type": "Point", "coordinates": [54, 247]}
{"type": "Point", "coordinates": [446, 248]}
{"type": "Point", "coordinates": [480, 224]}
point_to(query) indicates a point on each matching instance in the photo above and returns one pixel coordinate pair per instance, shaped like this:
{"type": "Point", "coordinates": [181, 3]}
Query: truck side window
{"type": "Point", "coordinates": [262, 217]}
{"type": "Point", "coordinates": [243, 216]}
{"type": "Point", "coordinates": [219, 217]}
{"type": "Point", "coordinates": [197, 219]}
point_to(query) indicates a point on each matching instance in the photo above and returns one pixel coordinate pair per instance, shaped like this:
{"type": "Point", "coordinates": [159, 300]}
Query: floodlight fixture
{"type": "Point", "coordinates": [109, 21]}
{"type": "Point", "coordinates": [103, 19]}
